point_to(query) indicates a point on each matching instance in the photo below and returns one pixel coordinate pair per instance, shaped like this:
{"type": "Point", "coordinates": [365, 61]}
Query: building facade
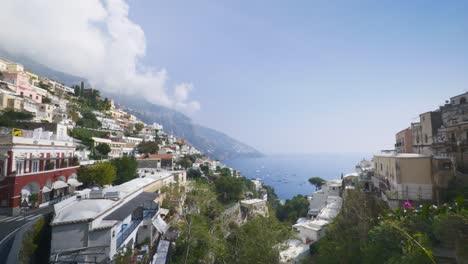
{"type": "Point", "coordinates": [35, 167]}
{"type": "Point", "coordinates": [404, 141]}
{"type": "Point", "coordinates": [410, 177]}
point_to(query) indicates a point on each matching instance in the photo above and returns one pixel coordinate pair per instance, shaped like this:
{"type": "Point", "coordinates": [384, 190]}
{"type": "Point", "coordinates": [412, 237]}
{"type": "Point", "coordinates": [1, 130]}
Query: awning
{"type": "Point", "coordinates": [74, 182]}
{"type": "Point", "coordinates": [59, 185]}
{"type": "Point", "coordinates": [46, 189]}
{"type": "Point", "coordinates": [160, 225]}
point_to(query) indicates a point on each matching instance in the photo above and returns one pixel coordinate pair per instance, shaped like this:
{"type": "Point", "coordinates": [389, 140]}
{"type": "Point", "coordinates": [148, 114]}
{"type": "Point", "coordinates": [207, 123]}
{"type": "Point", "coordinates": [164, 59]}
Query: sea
{"type": "Point", "coordinates": [288, 174]}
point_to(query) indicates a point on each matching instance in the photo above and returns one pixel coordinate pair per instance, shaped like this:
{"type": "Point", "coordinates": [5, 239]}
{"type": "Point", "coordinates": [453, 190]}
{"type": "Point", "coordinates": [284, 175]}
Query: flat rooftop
{"type": "Point", "coordinates": [401, 155]}
{"type": "Point", "coordinates": [126, 209]}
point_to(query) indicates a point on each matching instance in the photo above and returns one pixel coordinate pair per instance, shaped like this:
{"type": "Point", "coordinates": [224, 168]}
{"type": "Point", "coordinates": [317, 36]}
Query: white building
{"type": "Point", "coordinates": [117, 148]}
{"type": "Point", "coordinates": [37, 163]}
{"type": "Point", "coordinates": [310, 230]}
{"type": "Point", "coordinates": [109, 123]}
{"type": "Point", "coordinates": [97, 225]}
{"type": "Point", "coordinates": [45, 112]}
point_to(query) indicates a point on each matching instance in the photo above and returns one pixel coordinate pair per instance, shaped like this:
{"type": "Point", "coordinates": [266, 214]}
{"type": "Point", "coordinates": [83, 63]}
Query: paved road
{"type": "Point", "coordinates": [10, 225]}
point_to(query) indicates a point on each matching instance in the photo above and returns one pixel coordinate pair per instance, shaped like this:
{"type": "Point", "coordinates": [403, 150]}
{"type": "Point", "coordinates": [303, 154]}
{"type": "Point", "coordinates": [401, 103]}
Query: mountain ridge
{"type": "Point", "coordinates": [213, 143]}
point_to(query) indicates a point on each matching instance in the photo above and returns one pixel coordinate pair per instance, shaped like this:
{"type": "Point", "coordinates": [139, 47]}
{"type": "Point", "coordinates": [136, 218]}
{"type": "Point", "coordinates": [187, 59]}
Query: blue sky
{"type": "Point", "coordinates": [310, 76]}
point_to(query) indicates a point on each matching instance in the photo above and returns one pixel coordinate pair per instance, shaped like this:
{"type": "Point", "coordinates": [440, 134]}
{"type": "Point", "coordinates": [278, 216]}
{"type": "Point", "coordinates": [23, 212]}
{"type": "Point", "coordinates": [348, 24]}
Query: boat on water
{"type": "Point", "coordinates": [257, 171]}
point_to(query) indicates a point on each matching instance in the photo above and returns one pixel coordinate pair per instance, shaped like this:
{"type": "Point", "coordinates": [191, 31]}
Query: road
{"type": "Point", "coordinates": [10, 225]}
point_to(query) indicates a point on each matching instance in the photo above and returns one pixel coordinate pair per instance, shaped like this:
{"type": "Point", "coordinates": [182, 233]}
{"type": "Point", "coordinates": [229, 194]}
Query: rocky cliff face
{"type": "Point", "coordinates": [211, 142]}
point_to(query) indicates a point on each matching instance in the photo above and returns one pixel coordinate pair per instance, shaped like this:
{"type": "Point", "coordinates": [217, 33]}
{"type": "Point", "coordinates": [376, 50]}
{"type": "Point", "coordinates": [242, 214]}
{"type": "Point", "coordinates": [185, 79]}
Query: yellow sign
{"type": "Point", "coordinates": [17, 132]}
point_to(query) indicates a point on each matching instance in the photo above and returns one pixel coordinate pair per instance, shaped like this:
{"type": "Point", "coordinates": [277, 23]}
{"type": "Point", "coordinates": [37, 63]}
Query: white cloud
{"type": "Point", "coordinates": [94, 39]}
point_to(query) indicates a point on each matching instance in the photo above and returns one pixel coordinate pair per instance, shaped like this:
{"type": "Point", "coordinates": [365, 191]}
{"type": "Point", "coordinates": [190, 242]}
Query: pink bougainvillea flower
{"type": "Point", "coordinates": [407, 204]}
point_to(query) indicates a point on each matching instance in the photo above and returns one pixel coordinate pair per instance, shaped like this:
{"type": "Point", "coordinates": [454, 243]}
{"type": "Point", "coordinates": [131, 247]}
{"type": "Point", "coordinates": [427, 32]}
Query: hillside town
{"type": "Point", "coordinates": [109, 188]}
{"type": "Point", "coordinates": [52, 134]}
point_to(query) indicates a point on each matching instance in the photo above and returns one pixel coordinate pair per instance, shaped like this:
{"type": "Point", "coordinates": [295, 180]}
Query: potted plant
{"type": "Point", "coordinates": [49, 166]}
{"type": "Point", "coordinates": [34, 198]}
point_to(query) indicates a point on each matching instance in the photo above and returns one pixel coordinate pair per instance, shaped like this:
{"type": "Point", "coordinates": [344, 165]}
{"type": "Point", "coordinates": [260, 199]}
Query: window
{"type": "Point", "coordinates": [21, 93]}
{"type": "Point", "coordinates": [463, 100]}
{"type": "Point", "coordinates": [417, 139]}
{"type": "Point", "coordinates": [37, 97]}
{"type": "Point", "coordinates": [35, 166]}
{"type": "Point", "coordinates": [19, 167]}
{"type": "Point", "coordinates": [425, 138]}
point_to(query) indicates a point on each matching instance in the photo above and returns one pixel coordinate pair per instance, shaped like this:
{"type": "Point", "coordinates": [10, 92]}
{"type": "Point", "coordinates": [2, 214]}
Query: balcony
{"type": "Point", "coordinates": [123, 235]}
{"type": "Point", "coordinates": [148, 214]}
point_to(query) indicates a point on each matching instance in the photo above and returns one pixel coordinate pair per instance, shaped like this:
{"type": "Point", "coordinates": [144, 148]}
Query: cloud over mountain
{"type": "Point", "coordinates": [94, 39]}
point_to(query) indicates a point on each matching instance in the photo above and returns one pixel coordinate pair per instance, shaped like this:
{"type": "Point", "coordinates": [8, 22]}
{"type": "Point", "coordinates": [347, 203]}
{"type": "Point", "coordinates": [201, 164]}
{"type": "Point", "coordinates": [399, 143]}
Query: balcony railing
{"type": "Point", "coordinates": [122, 236]}
{"type": "Point", "coordinates": [149, 213]}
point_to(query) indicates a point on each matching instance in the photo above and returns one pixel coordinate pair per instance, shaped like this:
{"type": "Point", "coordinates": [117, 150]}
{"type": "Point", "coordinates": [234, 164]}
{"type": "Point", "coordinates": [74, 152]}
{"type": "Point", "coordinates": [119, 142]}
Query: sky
{"type": "Point", "coordinates": [281, 76]}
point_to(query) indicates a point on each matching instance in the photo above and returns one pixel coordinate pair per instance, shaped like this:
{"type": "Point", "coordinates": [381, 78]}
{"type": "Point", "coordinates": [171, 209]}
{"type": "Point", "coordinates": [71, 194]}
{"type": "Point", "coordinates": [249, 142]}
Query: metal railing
{"type": "Point", "coordinates": [127, 232]}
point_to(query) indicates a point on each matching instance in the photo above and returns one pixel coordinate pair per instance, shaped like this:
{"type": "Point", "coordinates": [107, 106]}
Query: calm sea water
{"type": "Point", "coordinates": [288, 174]}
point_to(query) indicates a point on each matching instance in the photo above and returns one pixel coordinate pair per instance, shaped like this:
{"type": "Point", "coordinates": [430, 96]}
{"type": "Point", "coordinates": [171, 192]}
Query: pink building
{"type": "Point", "coordinates": [23, 87]}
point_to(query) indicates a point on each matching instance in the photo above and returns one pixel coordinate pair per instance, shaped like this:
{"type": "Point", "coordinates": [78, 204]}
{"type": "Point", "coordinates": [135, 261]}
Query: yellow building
{"type": "Point", "coordinates": [15, 67]}
{"type": "Point", "coordinates": [33, 78]}
{"type": "Point", "coordinates": [410, 176]}
{"type": "Point", "coordinates": [3, 65]}
{"type": "Point", "coordinates": [10, 101]}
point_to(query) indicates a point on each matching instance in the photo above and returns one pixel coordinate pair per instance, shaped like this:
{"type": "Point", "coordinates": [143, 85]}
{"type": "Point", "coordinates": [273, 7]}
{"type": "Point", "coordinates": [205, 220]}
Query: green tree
{"type": "Point", "coordinates": [126, 167]}
{"type": "Point", "coordinates": [138, 127]}
{"type": "Point", "coordinates": [292, 209]}
{"type": "Point", "coordinates": [225, 172]}
{"type": "Point", "coordinates": [8, 118]}
{"type": "Point", "coordinates": [255, 241]}
{"type": "Point", "coordinates": [201, 238]}
{"type": "Point", "coordinates": [385, 245]}
{"type": "Point", "coordinates": [317, 182]}
{"type": "Point", "coordinates": [34, 240]}
{"type": "Point", "coordinates": [194, 174]}
{"type": "Point", "coordinates": [89, 120]}
{"type": "Point", "coordinates": [205, 169]}
{"type": "Point", "coordinates": [123, 257]}
{"type": "Point", "coordinates": [103, 149]}
{"type": "Point", "coordinates": [452, 230]}
{"type": "Point", "coordinates": [86, 135]}
{"type": "Point", "coordinates": [185, 163]}
{"type": "Point", "coordinates": [348, 233]}
{"type": "Point", "coordinates": [273, 199]}
{"type": "Point", "coordinates": [229, 189]}
{"type": "Point", "coordinates": [77, 90]}
{"type": "Point", "coordinates": [147, 147]}
{"type": "Point", "coordinates": [102, 173]}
